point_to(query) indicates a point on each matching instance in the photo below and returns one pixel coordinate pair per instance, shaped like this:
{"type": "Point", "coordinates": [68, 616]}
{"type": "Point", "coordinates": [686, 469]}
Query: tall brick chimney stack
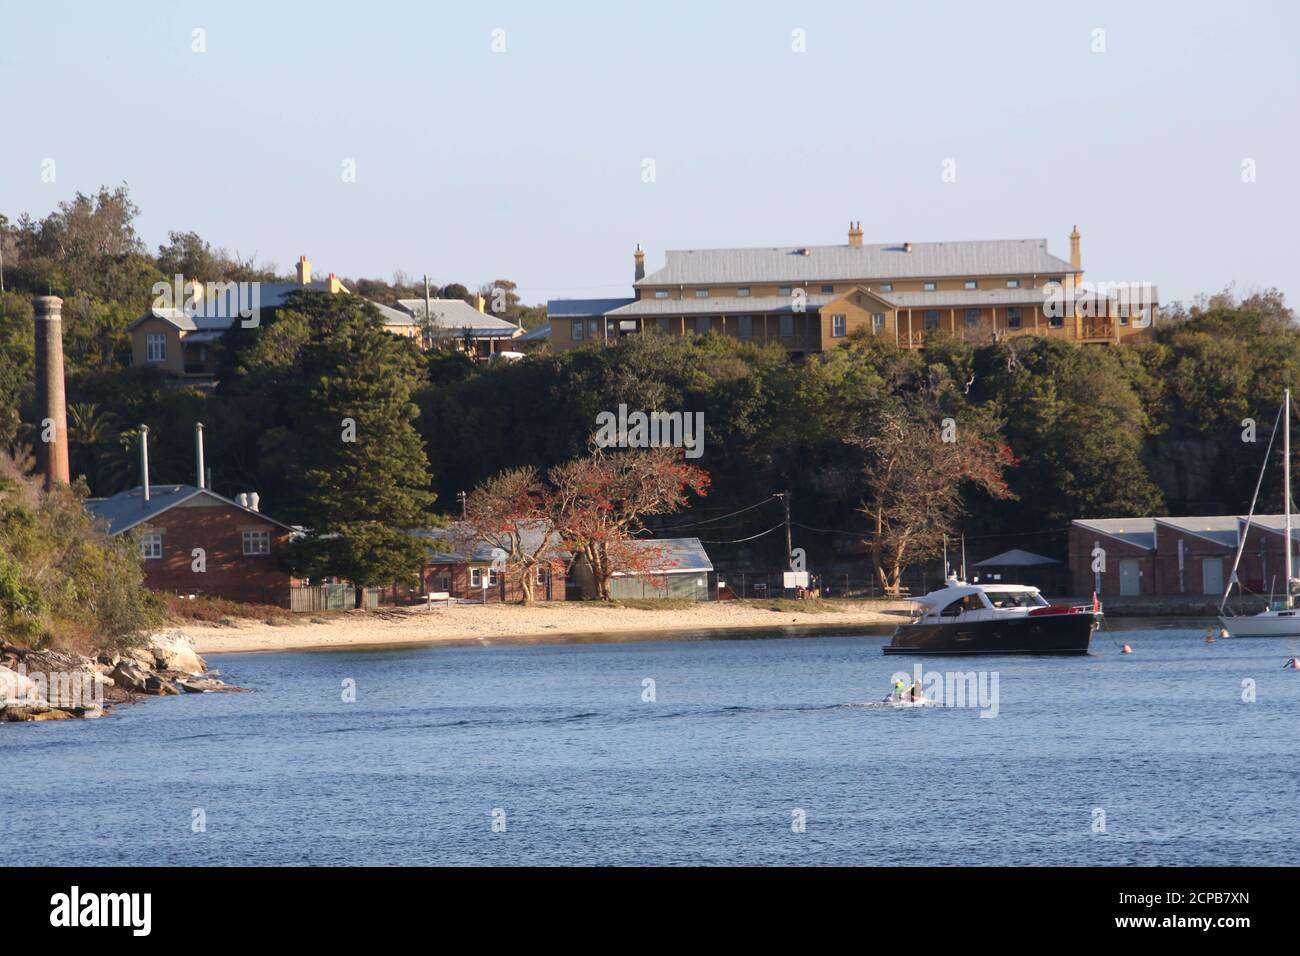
{"type": "Point", "coordinates": [51, 404]}
{"type": "Point", "coordinates": [639, 257]}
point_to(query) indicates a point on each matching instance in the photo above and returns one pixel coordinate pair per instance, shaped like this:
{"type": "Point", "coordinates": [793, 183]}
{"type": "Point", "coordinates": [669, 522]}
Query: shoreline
{"type": "Point", "coordinates": [501, 624]}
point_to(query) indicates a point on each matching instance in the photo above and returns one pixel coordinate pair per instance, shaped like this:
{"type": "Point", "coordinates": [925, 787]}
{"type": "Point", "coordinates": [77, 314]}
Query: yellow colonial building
{"type": "Point", "coordinates": [811, 298]}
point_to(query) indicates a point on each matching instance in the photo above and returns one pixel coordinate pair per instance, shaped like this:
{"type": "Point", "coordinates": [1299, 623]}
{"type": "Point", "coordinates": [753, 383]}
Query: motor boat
{"type": "Point", "coordinates": [994, 619]}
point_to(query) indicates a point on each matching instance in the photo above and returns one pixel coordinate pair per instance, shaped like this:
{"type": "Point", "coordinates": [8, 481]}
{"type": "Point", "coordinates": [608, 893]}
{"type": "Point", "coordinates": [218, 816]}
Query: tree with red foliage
{"type": "Point", "coordinates": [511, 514]}
{"type": "Point", "coordinates": [599, 503]}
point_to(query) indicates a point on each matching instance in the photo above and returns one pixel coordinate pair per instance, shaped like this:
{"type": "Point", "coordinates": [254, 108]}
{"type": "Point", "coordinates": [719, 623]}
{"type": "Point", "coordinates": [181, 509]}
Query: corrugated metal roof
{"type": "Point", "coordinates": [539, 334]}
{"type": "Point", "coordinates": [126, 509]}
{"type": "Point", "coordinates": [584, 308]}
{"type": "Point", "coordinates": [741, 305]}
{"type": "Point", "coordinates": [831, 263]}
{"type": "Point", "coordinates": [454, 315]}
{"type": "Point", "coordinates": [1140, 532]}
{"type": "Point", "coordinates": [965, 298]}
{"type": "Point", "coordinates": [477, 552]}
{"type": "Point", "coordinates": [1221, 529]}
{"type": "Point", "coordinates": [221, 311]}
{"type": "Point", "coordinates": [675, 555]}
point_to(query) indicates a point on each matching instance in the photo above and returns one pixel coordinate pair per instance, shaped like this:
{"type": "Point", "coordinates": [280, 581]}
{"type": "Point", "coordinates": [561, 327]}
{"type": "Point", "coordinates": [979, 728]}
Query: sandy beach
{"type": "Point", "coordinates": [513, 624]}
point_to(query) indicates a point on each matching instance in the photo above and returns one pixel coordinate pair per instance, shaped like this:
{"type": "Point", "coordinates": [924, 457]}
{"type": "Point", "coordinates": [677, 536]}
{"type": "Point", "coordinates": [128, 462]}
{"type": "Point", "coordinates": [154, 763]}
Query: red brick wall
{"type": "Point", "coordinates": [1195, 551]}
{"type": "Point", "coordinates": [218, 529]}
{"type": "Point", "coordinates": [1261, 571]}
{"type": "Point", "coordinates": [508, 591]}
{"type": "Point", "coordinates": [1082, 541]}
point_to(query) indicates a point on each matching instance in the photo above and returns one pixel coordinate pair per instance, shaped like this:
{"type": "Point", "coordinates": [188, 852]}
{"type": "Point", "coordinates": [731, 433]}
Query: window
{"type": "Point", "coordinates": [930, 286]}
{"type": "Point", "coordinates": [931, 319]}
{"type": "Point", "coordinates": [661, 293]}
{"type": "Point", "coordinates": [444, 582]}
{"type": "Point", "coordinates": [972, 316]}
{"type": "Point", "coordinates": [784, 290]}
{"type": "Point", "coordinates": [839, 325]}
{"type": "Point", "coordinates": [155, 347]}
{"type": "Point", "coordinates": [575, 332]}
{"type": "Point", "coordinates": [886, 287]}
{"type": "Point", "coordinates": [662, 325]}
{"type": "Point", "coordinates": [257, 542]}
{"type": "Point", "coordinates": [786, 326]}
{"type": "Point", "coordinates": [701, 293]}
{"type": "Point", "coordinates": [1013, 318]}
{"type": "Point", "coordinates": [1056, 321]}
{"type": "Point", "coordinates": [476, 577]}
{"type": "Point", "coordinates": [1013, 283]}
{"type": "Point", "coordinates": [593, 328]}
{"type": "Point", "coordinates": [877, 322]}
{"type": "Point", "coordinates": [743, 292]}
{"type": "Point", "coordinates": [746, 325]}
{"type": "Point", "coordinates": [702, 325]}
{"type": "Point", "coordinates": [494, 577]}
{"type": "Point", "coordinates": [541, 574]}
{"type": "Point", "coordinates": [828, 288]}
{"type": "Point", "coordinates": [151, 545]}
{"type": "Point", "coordinates": [972, 284]}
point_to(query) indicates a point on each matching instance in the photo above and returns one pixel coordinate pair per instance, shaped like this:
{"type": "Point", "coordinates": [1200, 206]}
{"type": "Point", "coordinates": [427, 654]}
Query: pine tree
{"type": "Point", "coordinates": [360, 464]}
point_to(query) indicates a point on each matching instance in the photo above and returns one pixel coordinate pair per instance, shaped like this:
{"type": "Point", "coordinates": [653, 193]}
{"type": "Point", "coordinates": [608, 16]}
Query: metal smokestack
{"type": "Point", "coordinates": [144, 460]}
{"type": "Point", "coordinates": [198, 451]}
{"type": "Point", "coordinates": [51, 402]}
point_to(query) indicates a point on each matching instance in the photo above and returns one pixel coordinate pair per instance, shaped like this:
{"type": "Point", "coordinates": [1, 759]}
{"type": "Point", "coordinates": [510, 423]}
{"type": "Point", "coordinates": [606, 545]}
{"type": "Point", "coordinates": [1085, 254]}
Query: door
{"type": "Point", "coordinates": [1130, 583]}
{"type": "Point", "coordinates": [1212, 575]}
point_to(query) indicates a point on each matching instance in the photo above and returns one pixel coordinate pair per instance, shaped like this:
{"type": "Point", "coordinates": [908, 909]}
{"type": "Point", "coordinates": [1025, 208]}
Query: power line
{"type": "Point", "coordinates": [775, 527]}
{"type": "Point", "coordinates": [694, 524]}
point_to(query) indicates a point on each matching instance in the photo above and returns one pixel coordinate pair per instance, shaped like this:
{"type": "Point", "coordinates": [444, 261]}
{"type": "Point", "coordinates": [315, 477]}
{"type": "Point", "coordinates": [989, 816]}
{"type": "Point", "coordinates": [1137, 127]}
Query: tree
{"type": "Point", "coordinates": [360, 468]}
{"type": "Point", "coordinates": [512, 512]}
{"type": "Point", "coordinates": [599, 503]}
{"type": "Point", "coordinates": [914, 476]}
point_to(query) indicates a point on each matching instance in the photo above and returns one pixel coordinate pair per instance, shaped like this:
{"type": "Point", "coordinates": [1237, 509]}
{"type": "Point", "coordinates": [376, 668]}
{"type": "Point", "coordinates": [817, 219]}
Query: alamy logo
{"type": "Point", "coordinates": [103, 909]}
{"type": "Point", "coordinates": [213, 300]}
{"type": "Point", "coordinates": [626, 429]}
{"type": "Point", "coordinates": [977, 689]}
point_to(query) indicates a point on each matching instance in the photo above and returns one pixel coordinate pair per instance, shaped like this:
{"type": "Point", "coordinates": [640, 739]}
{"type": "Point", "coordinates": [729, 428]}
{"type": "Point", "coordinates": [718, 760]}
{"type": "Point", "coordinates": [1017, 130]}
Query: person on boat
{"type": "Point", "coordinates": [899, 685]}
{"type": "Point", "coordinates": [914, 693]}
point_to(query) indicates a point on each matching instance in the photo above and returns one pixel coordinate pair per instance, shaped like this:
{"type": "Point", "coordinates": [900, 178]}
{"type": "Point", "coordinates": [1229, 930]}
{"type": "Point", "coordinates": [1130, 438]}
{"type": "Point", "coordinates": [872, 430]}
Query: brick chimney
{"type": "Point", "coordinates": [479, 301]}
{"type": "Point", "coordinates": [51, 403]}
{"type": "Point", "coordinates": [304, 271]}
{"type": "Point", "coordinates": [855, 235]}
{"type": "Point", "coordinates": [1076, 259]}
{"type": "Point", "coordinates": [639, 257]}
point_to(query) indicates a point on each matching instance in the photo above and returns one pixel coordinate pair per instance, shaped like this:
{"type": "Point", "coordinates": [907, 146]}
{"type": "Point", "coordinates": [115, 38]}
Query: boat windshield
{"type": "Point", "coordinates": [1002, 599]}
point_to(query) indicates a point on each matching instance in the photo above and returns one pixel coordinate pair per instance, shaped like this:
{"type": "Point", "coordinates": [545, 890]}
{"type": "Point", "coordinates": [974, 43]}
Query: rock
{"type": "Point", "coordinates": [16, 688]}
{"type": "Point", "coordinates": [52, 714]}
{"type": "Point", "coordinates": [174, 651]}
{"type": "Point", "coordinates": [130, 676]}
{"type": "Point", "coordinates": [206, 685]}
{"type": "Point", "coordinates": [155, 684]}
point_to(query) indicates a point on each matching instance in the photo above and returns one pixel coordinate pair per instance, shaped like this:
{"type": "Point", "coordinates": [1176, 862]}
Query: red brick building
{"type": "Point", "coordinates": [465, 571]}
{"type": "Point", "coordinates": [194, 541]}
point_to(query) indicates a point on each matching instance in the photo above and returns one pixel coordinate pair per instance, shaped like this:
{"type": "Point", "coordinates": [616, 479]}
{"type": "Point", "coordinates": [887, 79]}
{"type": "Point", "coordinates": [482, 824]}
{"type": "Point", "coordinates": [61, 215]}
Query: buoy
{"type": "Point", "coordinates": [1209, 635]}
{"type": "Point", "coordinates": [1293, 664]}
{"type": "Point", "coordinates": [1223, 634]}
{"type": "Point", "coordinates": [1126, 649]}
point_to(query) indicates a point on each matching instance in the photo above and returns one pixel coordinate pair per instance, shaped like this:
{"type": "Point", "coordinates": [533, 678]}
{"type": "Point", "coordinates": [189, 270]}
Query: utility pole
{"type": "Point", "coordinates": [427, 330]}
{"type": "Point", "coordinates": [463, 505]}
{"type": "Point", "coordinates": [789, 545]}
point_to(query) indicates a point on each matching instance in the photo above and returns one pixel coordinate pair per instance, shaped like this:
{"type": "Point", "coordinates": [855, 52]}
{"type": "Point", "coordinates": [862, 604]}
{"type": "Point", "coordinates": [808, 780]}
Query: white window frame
{"type": "Point", "coordinates": [886, 287]}
{"type": "Point", "coordinates": [155, 347]}
{"type": "Point", "coordinates": [661, 293]}
{"type": "Point", "coordinates": [541, 574]}
{"type": "Point", "coordinates": [929, 287]}
{"type": "Point", "coordinates": [575, 330]}
{"type": "Point", "coordinates": [1013, 283]}
{"type": "Point", "coordinates": [494, 577]}
{"type": "Point", "coordinates": [476, 577]}
{"type": "Point", "coordinates": [260, 542]}
{"type": "Point", "coordinates": [444, 581]}
{"type": "Point", "coordinates": [701, 293]}
{"type": "Point", "coordinates": [742, 292]}
{"type": "Point", "coordinates": [877, 322]}
{"type": "Point", "coordinates": [839, 326]}
{"type": "Point", "coordinates": [151, 545]}
{"type": "Point", "coordinates": [972, 284]}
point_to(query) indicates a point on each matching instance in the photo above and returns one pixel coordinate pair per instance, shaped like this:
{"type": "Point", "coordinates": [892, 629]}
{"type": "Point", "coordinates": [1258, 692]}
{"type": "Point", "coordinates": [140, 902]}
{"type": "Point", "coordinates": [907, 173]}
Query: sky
{"type": "Point", "coordinates": [542, 142]}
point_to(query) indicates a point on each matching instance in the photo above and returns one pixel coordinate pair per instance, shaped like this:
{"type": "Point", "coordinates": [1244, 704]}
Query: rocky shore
{"type": "Point", "coordinates": [49, 685]}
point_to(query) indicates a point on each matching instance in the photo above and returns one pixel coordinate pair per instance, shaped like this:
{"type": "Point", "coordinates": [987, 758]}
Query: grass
{"type": "Point", "coordinates": [210, 610]}
{"type": "Point", "coordinates": [790, 605]}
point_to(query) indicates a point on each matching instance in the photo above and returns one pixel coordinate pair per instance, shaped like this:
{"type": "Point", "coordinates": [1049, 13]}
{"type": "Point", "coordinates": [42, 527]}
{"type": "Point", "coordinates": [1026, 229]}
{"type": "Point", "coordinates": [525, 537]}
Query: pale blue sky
{"type": "Point", "coordinates": [527, 164]}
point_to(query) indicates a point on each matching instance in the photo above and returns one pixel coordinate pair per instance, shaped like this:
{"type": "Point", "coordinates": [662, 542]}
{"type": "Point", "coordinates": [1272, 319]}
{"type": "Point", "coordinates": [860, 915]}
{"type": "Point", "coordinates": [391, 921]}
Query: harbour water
{"type": "Point", "coordinates": [683, 751]}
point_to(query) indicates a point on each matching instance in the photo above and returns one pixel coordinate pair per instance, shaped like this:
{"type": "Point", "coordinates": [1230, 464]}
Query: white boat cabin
{"type": "Point", "coordinates": [970, 602]}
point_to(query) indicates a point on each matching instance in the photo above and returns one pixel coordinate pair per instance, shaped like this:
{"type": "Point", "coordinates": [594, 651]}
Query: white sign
{"type": "Point", "coordinates": [795, 579]}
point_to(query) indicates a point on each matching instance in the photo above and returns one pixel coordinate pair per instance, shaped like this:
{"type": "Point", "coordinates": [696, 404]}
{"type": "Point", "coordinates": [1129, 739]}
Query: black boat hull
{"type": "Point", "coordinates": [1039, 634]}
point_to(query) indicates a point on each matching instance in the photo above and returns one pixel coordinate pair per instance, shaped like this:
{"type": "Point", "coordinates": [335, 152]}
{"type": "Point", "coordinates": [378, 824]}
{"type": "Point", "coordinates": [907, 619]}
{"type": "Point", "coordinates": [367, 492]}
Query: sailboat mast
{"type": "Point", "coordinates": [1286, 486]}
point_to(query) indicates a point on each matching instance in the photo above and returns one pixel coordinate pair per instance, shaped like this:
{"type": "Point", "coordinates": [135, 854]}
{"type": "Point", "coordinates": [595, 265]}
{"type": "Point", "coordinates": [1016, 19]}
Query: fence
{"type": "Point", "coordinates": [329, 597]}
{"type": "Point", "coordinates": [766, 583]}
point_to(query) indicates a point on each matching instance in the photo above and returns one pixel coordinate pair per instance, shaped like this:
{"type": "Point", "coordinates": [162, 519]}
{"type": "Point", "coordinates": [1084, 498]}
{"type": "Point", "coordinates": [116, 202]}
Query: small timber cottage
{"type": "Point", "coordinates": [681, 570]}
{"type": "Point", "coordinates": [464, 571]}
{"type": "Point", "coordinates": [811, 298]}
{"type": "Point", "coordinates": [240, 545]}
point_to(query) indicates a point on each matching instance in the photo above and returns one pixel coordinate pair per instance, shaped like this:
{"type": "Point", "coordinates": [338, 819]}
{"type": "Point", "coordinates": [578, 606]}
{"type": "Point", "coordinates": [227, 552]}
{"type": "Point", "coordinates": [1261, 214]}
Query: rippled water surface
{"type": "Point", "coordinates": [743, 738]}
